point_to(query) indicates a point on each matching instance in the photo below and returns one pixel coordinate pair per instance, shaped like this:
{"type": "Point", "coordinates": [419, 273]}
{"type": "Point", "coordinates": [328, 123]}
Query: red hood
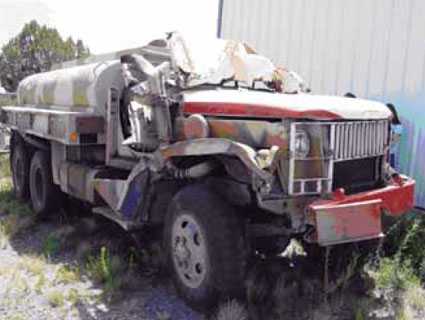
{"type": "Point", "coordinates": [244, 103]}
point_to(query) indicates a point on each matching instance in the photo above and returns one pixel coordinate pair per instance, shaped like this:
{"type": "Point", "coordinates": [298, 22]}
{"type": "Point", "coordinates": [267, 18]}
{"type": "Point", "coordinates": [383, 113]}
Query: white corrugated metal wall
{"type": "Point", "coordinates": [372, 48]}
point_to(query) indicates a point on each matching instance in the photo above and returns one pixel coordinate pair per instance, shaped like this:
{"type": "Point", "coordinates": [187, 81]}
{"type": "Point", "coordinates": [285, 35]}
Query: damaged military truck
{"type": "Point", "coordinates": [212, 146]}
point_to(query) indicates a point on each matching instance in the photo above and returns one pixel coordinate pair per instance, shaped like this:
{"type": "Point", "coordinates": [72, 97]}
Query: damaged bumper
{"type": "Point", "coordinates": [358, 217]}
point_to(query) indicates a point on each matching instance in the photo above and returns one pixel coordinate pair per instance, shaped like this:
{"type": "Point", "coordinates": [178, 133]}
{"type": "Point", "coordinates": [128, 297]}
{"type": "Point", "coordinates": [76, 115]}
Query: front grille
{"type": "Point", "coordinates": [345, 155]}
{"type": "Point", "coordinates": [360, 139]}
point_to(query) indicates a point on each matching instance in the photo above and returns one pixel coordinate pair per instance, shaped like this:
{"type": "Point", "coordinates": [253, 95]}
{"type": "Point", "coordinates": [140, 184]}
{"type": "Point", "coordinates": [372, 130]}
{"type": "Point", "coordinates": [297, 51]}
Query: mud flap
{"type": "Point", "coordinates": [350, 222]}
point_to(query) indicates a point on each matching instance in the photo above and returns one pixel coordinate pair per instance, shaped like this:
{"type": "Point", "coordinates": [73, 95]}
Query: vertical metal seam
{"type": "Point", "coordinates": [371, 47]}
{"type": "Point", "coordinates": [387, 56]}
{"type": "Point", "coordinates": [406, 50]}
{"type": "Point", "coordinates": [313, 43]}
{"type": "Point", "coordinates": [220, 18]}
{"type": "Point", "coordinates": [340, 37]}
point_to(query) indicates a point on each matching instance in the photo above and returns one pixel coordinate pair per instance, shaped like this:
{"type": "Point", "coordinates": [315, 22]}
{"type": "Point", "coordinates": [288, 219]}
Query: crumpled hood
{"type": "Point", "coordinates": [246, 103]}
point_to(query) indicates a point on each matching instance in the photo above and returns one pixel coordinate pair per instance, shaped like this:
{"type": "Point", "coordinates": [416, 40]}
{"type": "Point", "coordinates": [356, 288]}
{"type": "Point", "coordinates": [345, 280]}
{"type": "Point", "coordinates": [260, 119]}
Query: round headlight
{"type": "Point", "coordinates": [302, 144]}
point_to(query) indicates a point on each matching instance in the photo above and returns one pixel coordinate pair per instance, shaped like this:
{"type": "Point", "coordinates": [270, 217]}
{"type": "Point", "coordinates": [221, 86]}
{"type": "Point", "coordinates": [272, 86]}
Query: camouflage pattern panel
{"type": "Point", "coordinates": [254, 133]}
{"type": "Point", "coordinates": [83, 88]}
{"type": "Point", "coordinates": [155, 52]}
{"type": "Point", "coordinates": [110, 190]}
{"type": "Point", "coordinates": [7, 99]}
{"type": "Point", "coordinates": [214, 146]}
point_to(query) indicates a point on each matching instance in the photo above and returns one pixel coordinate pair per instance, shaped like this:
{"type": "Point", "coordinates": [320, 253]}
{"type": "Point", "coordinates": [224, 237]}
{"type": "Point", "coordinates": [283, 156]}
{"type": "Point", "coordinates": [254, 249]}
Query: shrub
{"type": "Point", "coordinates": [394, 274]}
{"type": "Point", "coordinates": [405, 243]}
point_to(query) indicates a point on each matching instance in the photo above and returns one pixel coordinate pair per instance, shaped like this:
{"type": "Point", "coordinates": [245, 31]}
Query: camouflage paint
{"type": "Point", "coordinates": [77, 88]}
{"type": "Point", "coordinates": [49, 89]}
{"type": "Point", "coordinates": [214, 146]}
{"type": "Point", "coordinates": [255, 133]}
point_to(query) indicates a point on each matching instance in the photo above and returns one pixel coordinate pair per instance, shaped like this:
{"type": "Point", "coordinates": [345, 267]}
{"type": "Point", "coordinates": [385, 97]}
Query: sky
{"type": "Point", "coordinates": [107, 26]}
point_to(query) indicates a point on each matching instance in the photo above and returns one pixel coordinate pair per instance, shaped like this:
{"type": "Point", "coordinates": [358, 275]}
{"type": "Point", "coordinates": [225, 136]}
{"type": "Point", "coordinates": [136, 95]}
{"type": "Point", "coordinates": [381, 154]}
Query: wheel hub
{"type": "Point", "coordinates": [189, 250]}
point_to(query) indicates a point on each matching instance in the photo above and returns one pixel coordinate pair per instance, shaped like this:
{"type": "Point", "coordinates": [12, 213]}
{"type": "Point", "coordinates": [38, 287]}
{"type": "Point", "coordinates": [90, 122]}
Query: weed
{"type": "Point", "coordinates": [415, 297]}
{"type": "Point", "coordinates": [56, 298]}
{"type": "Point", "coordinates": [73, 296]}
{"type": "Point", "coordinates": [51, 246]}
{"type": "Point", "coordinates": [105, 269]}
{"type": "Point", "coordinates": [4, 166]}
{"type": "Point", "coordinates": [231, 310]}
{"type": "Point", "coordinates": [41, 282]}
{"type": "Point", "coordinates": [396, 275]}
{"type": "Point", "coordinates": [33, 264]}
{"type": "Point", "coordinates": [8, 202]}
{"type": "Point", "coordinates": [67, 275]}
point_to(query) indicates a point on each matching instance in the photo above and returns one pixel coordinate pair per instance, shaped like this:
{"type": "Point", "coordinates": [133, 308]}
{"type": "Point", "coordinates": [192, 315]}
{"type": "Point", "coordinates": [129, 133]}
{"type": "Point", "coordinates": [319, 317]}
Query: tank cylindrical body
{"type": "Point", "coordinates": [81, 88]}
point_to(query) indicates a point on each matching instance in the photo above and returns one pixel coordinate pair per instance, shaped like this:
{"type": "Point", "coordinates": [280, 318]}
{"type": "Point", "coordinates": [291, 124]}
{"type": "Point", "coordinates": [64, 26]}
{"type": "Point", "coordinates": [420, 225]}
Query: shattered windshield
{"type": "Point", "coordinates": [213, 61]}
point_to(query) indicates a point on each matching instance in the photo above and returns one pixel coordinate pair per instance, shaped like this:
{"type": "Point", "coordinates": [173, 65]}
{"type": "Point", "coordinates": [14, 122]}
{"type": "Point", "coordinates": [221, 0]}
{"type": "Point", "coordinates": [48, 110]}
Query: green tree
{"type": "Point", "coordinates": [35, 49]}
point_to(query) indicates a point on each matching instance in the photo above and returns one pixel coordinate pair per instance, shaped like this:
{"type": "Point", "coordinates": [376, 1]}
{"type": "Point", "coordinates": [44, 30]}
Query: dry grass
{"type": "Point", "coordinates": [36, 265]}
{"type": "Point", "coordinates": [56, 298]}
{"type": "Point", "coordinates": [67, 275]}
{"type": "Point", "coordinates": [231, 310]}
{"type": "Point", "coordinates": [4, 166]}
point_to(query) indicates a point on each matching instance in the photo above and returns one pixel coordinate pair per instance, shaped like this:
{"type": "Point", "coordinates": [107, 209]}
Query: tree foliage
{"type": "Point", "coordinates": [35, 49]}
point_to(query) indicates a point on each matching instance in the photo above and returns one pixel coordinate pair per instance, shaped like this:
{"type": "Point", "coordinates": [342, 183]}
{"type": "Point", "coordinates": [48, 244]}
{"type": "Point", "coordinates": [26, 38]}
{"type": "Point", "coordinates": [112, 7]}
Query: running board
{"type": "Point", "coordinates": [112, 215]}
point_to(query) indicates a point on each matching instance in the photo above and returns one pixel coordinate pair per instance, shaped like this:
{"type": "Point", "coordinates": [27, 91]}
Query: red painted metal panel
{"type": "Point", "coordinates": [246, 110]}
{"type": "Point", "coordinates": [348, 222]}
{"type": "Point", "coordinates": [397, 199]}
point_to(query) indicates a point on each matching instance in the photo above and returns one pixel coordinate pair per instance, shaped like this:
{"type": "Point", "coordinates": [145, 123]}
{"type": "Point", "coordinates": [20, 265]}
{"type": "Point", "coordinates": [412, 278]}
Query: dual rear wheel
{"type": "Point", "coordinates": [32, 178]}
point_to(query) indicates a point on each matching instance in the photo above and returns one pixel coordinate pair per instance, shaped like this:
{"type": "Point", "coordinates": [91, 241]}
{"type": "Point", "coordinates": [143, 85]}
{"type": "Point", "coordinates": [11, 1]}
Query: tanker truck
{"type": "Point", "coordinates": [210, 147]}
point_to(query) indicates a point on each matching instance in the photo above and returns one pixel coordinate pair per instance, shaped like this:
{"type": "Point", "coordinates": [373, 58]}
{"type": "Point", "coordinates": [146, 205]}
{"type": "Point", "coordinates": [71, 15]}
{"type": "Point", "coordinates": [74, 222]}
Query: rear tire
{"type": "Point", "coordinates": [45, 195]}
{"type": "Point", "coordinates": [20, 166]}
{"type": "Point", "coordinates": [205, 247]}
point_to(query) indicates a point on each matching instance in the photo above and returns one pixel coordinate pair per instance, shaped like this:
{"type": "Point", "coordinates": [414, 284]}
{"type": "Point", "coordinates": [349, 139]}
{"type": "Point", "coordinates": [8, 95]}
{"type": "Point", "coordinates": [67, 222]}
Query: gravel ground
{"type": "Point", "coordinates": [29, 285]}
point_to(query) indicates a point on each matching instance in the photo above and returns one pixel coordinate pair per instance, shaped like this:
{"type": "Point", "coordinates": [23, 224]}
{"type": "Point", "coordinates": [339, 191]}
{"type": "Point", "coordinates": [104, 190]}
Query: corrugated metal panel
{"type": "Point", "coordinates": [373, 48]}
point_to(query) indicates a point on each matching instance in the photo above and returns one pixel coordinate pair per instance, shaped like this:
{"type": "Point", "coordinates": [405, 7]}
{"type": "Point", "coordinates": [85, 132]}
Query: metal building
{"type": "Point", "coordinates": [372, 48]}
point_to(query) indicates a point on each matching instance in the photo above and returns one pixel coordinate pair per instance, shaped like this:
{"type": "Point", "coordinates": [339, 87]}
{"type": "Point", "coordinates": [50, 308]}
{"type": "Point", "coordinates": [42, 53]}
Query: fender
{"type": "Point", "coordinates": [215, 146]}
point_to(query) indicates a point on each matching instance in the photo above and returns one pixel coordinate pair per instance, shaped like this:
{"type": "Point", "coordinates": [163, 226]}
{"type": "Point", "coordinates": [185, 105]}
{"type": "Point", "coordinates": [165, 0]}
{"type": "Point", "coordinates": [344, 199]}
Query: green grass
{"type": "Point", "coordinates": [4, 166]}
{"type": "Point", "coordinates": [396, 275]}
{"type": "Point", "coordinates": [105, 269]}
{"type": "Point", "coordinates": [8, 202]}
{"type": "Point", "coordinates": [51, 246]}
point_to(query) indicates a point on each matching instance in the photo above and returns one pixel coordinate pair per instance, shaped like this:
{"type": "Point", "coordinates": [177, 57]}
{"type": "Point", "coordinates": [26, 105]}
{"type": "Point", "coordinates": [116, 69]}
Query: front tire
{"type": "Point", "coordinates": [45, 195]}
{"type": "Point", "coordinates": [205, 246]}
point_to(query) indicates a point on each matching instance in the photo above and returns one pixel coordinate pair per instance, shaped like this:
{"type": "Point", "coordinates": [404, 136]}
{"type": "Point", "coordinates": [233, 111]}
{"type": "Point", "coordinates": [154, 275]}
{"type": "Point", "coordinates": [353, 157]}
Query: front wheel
{"type": "Point", "coordinates": [205, 246]}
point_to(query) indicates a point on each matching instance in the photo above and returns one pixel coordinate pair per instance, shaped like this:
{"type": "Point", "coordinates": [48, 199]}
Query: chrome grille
{"type": "Point", "coordinates": [360, 139]}
{"type": "Point", "coordinates": [345, 141]}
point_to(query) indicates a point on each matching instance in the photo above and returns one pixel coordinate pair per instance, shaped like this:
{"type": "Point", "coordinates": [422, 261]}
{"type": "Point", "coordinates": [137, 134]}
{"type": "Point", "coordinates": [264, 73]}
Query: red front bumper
{"type": "Point", "coordinates": [358, 217]}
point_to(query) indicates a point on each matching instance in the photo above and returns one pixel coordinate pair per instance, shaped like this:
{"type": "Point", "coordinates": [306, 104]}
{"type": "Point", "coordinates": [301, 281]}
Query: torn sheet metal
{"type": "Point", "coordinates": [215, 60]}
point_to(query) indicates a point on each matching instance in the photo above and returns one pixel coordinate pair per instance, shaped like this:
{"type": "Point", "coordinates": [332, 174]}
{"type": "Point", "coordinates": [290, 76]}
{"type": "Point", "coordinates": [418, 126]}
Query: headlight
{"type": "Point", "coordinates": [302, 144]}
